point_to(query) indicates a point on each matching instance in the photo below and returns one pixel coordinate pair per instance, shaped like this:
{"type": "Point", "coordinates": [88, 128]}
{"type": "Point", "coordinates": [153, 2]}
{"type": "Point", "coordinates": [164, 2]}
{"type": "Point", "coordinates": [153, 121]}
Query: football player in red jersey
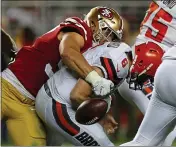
{"type": "Point", "coordinates": [34, 65]}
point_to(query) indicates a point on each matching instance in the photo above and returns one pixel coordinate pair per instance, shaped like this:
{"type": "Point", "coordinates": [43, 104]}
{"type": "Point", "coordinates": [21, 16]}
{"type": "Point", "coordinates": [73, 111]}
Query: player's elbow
{"type": "Point", "coordinates": [65, 53]}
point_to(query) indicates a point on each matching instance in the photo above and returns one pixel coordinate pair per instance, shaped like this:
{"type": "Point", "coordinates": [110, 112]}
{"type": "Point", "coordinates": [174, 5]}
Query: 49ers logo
{"type": "Point", "coordinates": [105, 12]}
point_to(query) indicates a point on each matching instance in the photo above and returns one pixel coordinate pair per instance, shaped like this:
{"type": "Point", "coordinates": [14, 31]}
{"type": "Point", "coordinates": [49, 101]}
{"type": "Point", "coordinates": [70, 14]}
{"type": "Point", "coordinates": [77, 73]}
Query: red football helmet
{"type": "Point", "coordinates": [148, 56]}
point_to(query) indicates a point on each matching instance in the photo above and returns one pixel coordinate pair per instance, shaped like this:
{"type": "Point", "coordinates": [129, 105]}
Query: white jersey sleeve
{"type": "Point", "coordinates": [159, 23]}
{"type": "Point", "coordinates": [170, 54]}
{"type": "Point", "coordinates": [112, 60]}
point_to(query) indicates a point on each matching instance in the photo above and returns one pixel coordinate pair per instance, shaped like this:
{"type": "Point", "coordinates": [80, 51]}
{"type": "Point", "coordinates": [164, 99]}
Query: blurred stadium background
{"type": "Point", "coordinates": [25, 20]}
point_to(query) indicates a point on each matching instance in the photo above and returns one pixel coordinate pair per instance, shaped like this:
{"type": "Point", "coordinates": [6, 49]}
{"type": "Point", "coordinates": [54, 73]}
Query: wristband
{"type": "Point", "coordinates": [92, 77]}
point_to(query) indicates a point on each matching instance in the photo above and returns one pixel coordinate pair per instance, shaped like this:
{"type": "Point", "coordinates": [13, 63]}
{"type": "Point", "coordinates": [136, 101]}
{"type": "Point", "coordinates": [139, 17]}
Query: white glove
{"type": "Point", "coordinates": [101, 86]}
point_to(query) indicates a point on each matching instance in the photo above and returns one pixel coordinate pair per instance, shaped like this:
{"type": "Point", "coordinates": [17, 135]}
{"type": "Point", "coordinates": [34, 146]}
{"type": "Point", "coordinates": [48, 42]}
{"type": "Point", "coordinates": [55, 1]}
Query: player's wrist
{"type": "Point", "coordinates": [93, 77]}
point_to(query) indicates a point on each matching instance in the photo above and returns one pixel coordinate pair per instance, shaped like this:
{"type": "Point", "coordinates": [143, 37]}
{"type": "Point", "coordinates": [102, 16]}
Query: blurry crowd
{"type": "Point", "coordinates": [24, 24]}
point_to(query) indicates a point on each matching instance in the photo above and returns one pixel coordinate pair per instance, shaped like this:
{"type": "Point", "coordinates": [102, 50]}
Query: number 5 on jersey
{"type": "Point", "coordinates": [159, 22]}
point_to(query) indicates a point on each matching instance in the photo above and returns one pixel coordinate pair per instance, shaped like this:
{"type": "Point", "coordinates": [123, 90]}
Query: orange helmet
{"type": "Point", "coordinates": [146, 61]}
{"type": "Point", "coordinates": [100, 18]}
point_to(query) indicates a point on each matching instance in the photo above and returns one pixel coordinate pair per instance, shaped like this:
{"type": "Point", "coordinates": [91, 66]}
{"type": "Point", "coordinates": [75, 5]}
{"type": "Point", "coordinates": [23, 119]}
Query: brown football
{"type": "Point", "coordinates": [91, 111]}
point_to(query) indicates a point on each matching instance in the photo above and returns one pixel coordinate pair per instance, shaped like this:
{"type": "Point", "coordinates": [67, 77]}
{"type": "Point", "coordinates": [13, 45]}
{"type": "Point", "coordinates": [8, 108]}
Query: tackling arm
{"type": "Point", "coordinates": [70, 45]}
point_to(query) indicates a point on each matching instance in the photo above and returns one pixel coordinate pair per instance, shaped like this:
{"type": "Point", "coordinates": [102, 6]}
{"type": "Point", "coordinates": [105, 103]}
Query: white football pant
{"type": "Point", "coordinates": [59, 119]}
{"type": "Point", "coordinates": [160, 117]}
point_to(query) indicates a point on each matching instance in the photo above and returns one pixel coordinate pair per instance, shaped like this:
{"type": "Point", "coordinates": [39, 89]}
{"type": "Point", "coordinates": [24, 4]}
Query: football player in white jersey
{"type": "Point", "coordinates": [64, 91]}
{"type": "Point", "coordinates": [160, 117]}
{"type": "Point", "coordinates": [158, 27]}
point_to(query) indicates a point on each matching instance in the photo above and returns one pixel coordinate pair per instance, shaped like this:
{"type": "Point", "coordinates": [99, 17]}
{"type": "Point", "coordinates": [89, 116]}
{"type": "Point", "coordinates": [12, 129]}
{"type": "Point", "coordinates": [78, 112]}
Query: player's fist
{"type": "Point", "coordinates": [101, 86]}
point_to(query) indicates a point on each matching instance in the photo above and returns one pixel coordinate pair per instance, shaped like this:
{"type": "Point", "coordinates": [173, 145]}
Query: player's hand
{"type": "Point", "coordinates": [109, 124]}
{"type": "Point", "coordinates": [101, 86]}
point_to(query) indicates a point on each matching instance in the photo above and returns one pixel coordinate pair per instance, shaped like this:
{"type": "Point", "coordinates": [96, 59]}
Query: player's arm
{"type": "Point", "coordinates": [82, 90]}
{"type": "Point", "coordinates": [70, 51]}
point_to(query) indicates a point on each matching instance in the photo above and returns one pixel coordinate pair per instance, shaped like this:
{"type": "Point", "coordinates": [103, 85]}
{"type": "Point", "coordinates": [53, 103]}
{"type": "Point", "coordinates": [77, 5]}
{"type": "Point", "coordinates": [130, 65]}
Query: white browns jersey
{"type": "Point", "coordinates": [159, 23]}
{"type": "Point", "coordinates": [110, 57]}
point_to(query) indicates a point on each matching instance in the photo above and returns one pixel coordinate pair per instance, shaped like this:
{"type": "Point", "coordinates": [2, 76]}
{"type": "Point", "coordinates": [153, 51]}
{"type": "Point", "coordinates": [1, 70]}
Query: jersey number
{"type": "Point", "coordinates": [124, 62]}
{"type": "Point", "coordinates": [161, 28]}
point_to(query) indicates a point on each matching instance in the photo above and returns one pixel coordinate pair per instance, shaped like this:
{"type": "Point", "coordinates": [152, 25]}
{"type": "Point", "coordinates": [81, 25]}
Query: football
{"type": "Point", "coordinates": [91, 111]}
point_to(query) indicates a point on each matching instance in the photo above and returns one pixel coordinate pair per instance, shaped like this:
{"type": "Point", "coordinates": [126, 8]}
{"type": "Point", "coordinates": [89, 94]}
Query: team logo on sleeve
{"type": "Point", "coordinates": [105, 12]}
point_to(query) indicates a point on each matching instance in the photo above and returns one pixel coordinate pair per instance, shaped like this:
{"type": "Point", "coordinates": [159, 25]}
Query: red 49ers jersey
{"type": "Point", "coordinates": [34, 64]}
{"type": "Point", "coordinates": [159, 23]}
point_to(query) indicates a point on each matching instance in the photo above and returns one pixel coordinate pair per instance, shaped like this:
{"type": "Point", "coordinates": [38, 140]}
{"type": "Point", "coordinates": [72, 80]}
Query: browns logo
{"type": "Point", "coordinates": [105, 12]}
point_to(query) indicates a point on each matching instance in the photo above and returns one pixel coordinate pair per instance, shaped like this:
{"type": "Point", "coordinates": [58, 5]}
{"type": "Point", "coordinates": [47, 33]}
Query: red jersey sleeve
{"type": "Point", "coordinates": [72, 22]}
{"type": "Point", "coordinates": [81, 27]}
